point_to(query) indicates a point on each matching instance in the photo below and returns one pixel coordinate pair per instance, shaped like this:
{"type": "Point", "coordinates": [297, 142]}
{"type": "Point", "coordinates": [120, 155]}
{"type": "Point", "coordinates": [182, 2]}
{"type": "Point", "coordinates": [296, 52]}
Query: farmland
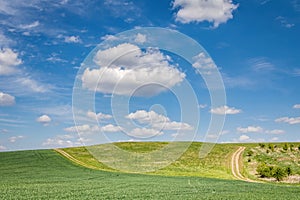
{"type": "Point", "coordinates": [44, 174]}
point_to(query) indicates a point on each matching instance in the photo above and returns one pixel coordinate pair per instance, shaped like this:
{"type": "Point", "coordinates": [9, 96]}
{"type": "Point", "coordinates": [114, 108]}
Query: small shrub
{"type": "Point", "coordinates": [264, 170]}
{"type": "Point", "coordinates": [250, 153]}
{"type": "Point", "coordinates": [271, 147]}
{"type": "Point", "coordinates": [262, 145]}
{"type": "Point", "coordinates": [268, 151]}
{"type": "Point", "coordinates": [278, 173]}
{"type": "Point", "coordinates": [288, 171]}
{"type": "Point", "coordinates": [291, 147]}
{"type": "Point", "coordinates": [285, 147]}
{"type": "Point", "coordinates": [299, 147]}
{"type": "Point", "coordinates": [249, 159]}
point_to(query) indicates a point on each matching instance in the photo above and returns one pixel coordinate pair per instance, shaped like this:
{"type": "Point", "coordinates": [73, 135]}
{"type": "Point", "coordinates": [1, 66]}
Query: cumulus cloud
{"type": "Point", "coordinates": [2, 148]}
{"type": "Point", "coordinates": [244, 138]}
{"type": "Point", "coordinates": [140, 38]}
{"type": "Point", "coordinates": [275, 131]}
{"type": "Point", "coordinates": [297, 106]}
{"type": "Point", "coordinates": [157, 121]}
{"type": "Point", "coordinates": [289, 120]}
{"type": "Point", "coordinates": [125, 67]}
{"type": "Point", "coordinates": [144, 132]}
{"type": "Point", "coordinates": [225, 110]}
{"type": "Point", "coordinates": [61, 141]}
{"type": "Point", "coordinates": [8, 61]}
{"type": "Point", "coordinates": [15, 138]}
{"type": "Point", "coordinates": [250, 129]}
{"type": "Point", "coordinates": [6, 99]}
{"type": "Point", "coordinates": [203, 63]}
{"type": "Point", "coordinates": [72, 39]}
{"type": "Point", "coordinates": [44, 119]}
{"type": "Point", "coordinates": [213, 11]}
{"type": "Point", "coordinates": [86, 128]}
{"type": "Point", "coordinates": [98, 116]}
{"type": "Point", "coordinates": [109, 37]}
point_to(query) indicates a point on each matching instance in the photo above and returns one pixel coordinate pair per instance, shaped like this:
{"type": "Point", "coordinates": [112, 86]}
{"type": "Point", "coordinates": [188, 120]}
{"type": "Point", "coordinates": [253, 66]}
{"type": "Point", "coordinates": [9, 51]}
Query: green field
{"type": "Point", "coordinates": [44, 174]}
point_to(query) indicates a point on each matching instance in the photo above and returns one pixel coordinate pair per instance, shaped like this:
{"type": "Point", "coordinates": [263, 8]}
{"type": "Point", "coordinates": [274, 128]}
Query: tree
{"type": "Point", "coordinates": [264, 170]}
{"type": "Point", "coordinates": [249, 153]}
{"type": "Point", "coordinates": [278, 173]}
{"type": "Point", "coordinates": [299, 147]}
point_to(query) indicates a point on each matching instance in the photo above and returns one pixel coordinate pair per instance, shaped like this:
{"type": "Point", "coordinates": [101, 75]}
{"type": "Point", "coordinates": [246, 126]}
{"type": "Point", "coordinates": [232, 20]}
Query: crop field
{"type": "Point", "coordinates": [45, 174]}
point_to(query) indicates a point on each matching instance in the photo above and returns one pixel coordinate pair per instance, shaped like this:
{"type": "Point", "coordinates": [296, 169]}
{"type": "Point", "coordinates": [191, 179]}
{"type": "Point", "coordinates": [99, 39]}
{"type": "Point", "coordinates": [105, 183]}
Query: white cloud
{"type": "Point", "coordinates": [203, 63]}
{"type": "Point", "coordinates": [225, 110]}
{"type": "Point", "coordinates": [15, 138]}
{"type": "Point", "coordinates": [72, 39]}
{"type": "Point", "coordinates": [8, 61]}
{"type": "Point", "coordinates": [2, 148]}
{"type": "Point", "coordinates": [289, 120]}
{"type": "Point", "coordinates": [157, 121]}
{"type": "Point", "coordinates": [275, 139]}
{"type": "Point", "coordinates": [61, 141]}
{"type": "Point", "coordinates": [30, 26]}
{"type": "Point", "coordinates": [284, 22]}
{"type": "Point", "coordinates": [131, 68]}
{"type": "Point", "coordinates": [6, 99]}
{"type": "Point", "coordinates": [31, 84]}
{"type": "Point", "coordinates": [297, 106]}
{"type": "Point", "coordinates": [110, 128]}
{"type": "Point", "coordinates": [244, 138]}
{"type": "Point", "coordinates": [86, 128]}
{"type": "Point", "coordinates": [144, 132]}
{"type": "Point", "coordinates": [250, 129]}
{"type": "Point", "coordinates": [140, 38]}
{"type": "Point", "coordinates": [213, 11]}
{"type": "Point", "coordinates": [275, 131]}
{"type": "Point", "coordinates": [98, 116]}
{"type": "Point", "coordinates": [109, 37]}
{"type": "Point", "coordinates": [202, 106]}
{"type": "Point", "coordinates": [44, 119]}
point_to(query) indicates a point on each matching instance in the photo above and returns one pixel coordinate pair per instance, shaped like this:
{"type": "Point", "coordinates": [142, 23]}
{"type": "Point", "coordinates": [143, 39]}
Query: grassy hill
{"type": "Point", "coordinates": [45, 174]}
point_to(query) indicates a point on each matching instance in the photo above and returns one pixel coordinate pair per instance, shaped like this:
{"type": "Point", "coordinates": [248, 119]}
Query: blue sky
{"type": "Point", "coordinates": [44, 44]}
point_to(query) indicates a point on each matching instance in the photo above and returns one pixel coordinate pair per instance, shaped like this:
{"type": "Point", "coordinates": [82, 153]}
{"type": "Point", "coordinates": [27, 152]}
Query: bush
{"type": "Point", "coordinates": [271, 147]}
{"type": "Point", "coordinates": [278, 173]}
{"type": "Point", "coordinates": [262, 145]}
{"type": "Point", "coordinates": [299, 147]}
{"type": "Point", "coordinates": [288, 171]}
{"type": "Point", "coordinates": [249, 153]}
{"type": "Point", "coordinates": [291, 147]}
{"type": "Point", "coordinates": [285, 147]}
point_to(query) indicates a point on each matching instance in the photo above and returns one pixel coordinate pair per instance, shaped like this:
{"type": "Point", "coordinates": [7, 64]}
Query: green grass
{"type": "Point", "coordinates": [44, 174]}
{"type": "Point", "coordinates": [215, 165]}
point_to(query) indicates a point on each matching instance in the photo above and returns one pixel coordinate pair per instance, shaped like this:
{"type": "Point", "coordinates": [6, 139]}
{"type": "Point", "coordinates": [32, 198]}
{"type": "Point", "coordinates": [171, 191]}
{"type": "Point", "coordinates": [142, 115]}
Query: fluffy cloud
{"type": "Point", "coordinates": [72, 39]}
{"type": "Point", "coordinates": [6, 99]}
{"type": "Point", "coordinates": [144, 132]}
{"type": "Point", "coordinates": [275, 131]}
{"type": "Point", "coordinates": [61, 141]}
{"type": "Point", "coordinates": [44, 119]}
{"type": "Point", "coordinates": [30, 26]}
{"type": "Point", "coordinates": [140, 38]}
{"type": "Point", "coordinates": [244, 138]}
{"type": "Point", "coordinates": [2, 148]}
{"type": "Point", "coordinates": [225, 110]}
{"type": "Point", "coordinates": [85, 129]}
{"type": "Point", "coordinates": [8, 61]}
{"type": "Point", "coordinates": [297, 106]}
{"type": "Point", "coordinates": [289, 120]}
{"type": "Point", "coordinates": [157, 121]}
{"type": "Point", "coordinates": [15, 138]}
{"type": "Point", "coordinates": [125, 68]}
{"type": "Point", "coordinates": [98, 116]}
{"type": "Point", "coordinates": [203, 63]}
{"type": "Point", "coordinates": [214, 11]}
{"type": "Point", "coordinates": [250, 129]}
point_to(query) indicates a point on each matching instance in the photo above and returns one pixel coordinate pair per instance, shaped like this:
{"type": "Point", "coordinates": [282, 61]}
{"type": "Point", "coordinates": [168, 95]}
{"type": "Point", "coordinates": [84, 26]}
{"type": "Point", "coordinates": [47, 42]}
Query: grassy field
{"type": "Point", "coordinates": [215, 165]}
{"type": "Point", "coordinates": [44, 174]}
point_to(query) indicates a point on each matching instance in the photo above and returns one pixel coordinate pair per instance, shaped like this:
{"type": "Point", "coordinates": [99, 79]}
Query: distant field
{"type": "Point", "coordinates": [44, 174]}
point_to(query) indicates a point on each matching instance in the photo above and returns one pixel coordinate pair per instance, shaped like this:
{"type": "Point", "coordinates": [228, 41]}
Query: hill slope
{"type": "Point", "coordinates": [44, 174]}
